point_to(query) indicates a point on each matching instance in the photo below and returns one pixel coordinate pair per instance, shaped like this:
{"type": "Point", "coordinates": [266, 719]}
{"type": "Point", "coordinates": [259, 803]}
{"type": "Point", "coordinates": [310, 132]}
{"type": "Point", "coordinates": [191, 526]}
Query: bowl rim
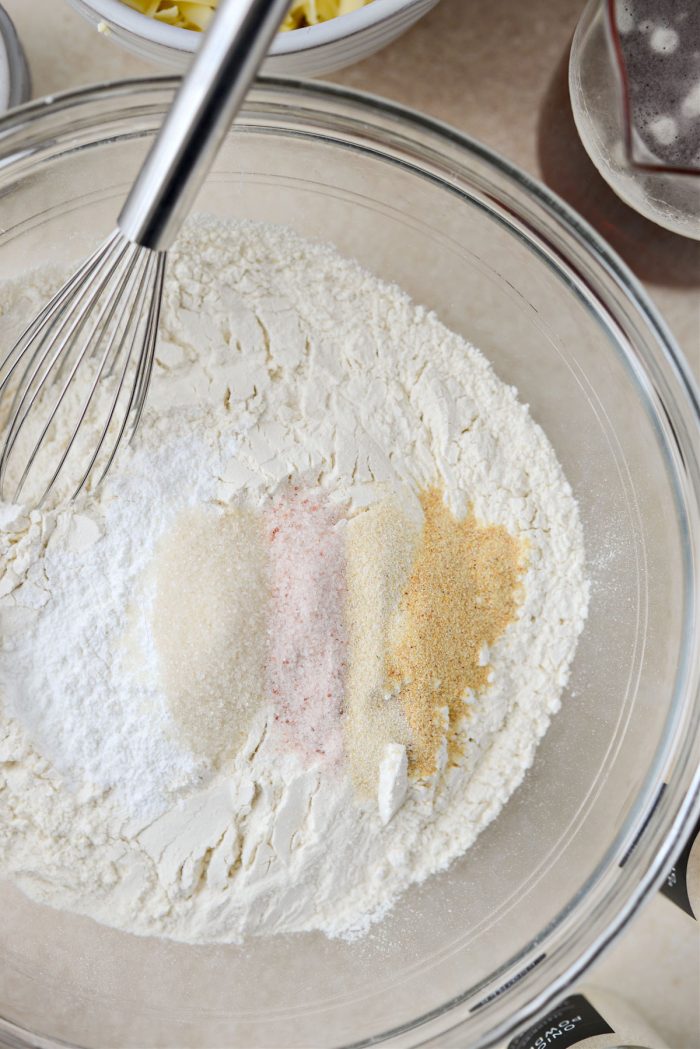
{"type": "Point", "coordinates": [126, 18]}
{"type": "Point", "coordinates": [15, 79]}
{"type": "Point", "coordinates": [682, 416]}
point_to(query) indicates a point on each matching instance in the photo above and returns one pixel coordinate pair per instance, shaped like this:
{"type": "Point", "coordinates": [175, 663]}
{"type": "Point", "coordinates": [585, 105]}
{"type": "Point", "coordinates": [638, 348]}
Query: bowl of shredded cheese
{"type": "Point", "coordinates": [317, 36]}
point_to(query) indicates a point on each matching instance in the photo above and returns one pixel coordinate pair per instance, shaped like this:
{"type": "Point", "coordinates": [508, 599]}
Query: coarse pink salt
{"type": "Point", "coordinates": [307, 639]}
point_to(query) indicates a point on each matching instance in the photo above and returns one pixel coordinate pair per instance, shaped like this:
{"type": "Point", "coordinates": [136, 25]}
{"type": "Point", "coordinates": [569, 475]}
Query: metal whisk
{"type": "Point", "coordinates": [88, 355]}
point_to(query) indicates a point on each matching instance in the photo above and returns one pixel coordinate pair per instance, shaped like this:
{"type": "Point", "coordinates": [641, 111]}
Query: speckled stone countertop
{"type": "Point", "coordinates": [496, 70]}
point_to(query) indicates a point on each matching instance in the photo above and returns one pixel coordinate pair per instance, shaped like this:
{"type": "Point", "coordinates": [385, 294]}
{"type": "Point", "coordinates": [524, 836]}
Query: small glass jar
{"type": "Point", "coordinates": [634, 82]}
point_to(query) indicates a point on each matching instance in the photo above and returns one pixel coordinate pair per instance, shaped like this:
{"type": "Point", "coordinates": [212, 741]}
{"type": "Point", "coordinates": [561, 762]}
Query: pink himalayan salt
{"type": "Point", "coordinates": [307, 642]}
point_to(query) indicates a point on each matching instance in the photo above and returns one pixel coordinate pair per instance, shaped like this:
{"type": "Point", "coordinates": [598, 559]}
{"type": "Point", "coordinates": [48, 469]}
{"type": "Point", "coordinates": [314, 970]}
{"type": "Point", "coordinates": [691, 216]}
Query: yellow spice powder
{"type": "Point", "coordinates": [462, 593]}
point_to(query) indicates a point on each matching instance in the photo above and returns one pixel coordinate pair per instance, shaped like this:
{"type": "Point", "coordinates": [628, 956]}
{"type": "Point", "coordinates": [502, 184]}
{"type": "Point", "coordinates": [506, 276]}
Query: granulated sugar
{"type": "Point", "coordinates": [209, 621]}
{"type": "Point", "coordinates": [216, 670]}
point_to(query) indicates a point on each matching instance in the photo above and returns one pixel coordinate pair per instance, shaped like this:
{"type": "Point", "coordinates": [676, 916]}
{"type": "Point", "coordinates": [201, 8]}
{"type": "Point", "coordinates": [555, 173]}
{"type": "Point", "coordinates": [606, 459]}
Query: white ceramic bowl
{"type": "Point", "coordinates": [302, 52]}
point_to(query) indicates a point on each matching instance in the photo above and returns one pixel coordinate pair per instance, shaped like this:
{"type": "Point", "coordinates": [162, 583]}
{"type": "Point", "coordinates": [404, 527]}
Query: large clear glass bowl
{"type": "Point", "coordinates": [477, 951]}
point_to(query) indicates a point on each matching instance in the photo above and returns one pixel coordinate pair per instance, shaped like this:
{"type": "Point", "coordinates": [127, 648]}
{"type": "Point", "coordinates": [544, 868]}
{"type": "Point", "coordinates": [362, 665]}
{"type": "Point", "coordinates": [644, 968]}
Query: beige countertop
{"type": "Point", "coordinates": [496, 70]}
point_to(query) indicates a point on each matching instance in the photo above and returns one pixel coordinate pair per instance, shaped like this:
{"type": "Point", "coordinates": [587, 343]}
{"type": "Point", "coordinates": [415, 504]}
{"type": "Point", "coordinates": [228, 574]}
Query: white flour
{"type": "Point", "coordinates": [277, 358]}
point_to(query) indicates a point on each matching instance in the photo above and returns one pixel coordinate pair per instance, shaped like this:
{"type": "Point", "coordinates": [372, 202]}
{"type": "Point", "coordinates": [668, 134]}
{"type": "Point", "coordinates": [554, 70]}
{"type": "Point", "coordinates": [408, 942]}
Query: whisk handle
{"type": "Point", "coordinates": [202, 111]}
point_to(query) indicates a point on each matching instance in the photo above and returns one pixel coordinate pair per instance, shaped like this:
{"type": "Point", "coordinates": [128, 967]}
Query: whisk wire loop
{"type": "Point", "coordinates": [95, 338]}
{"type": "Point", "coordinates": [89, 347]}
{"type": "Point", "coordinates": [53, 338]}
{"type": "Point", "coordinates": [150, 345]}
{"type": "Point", "coordinates": [127, 280]}
{"type": "Point", "coordinates": [39, 322]}
{"type": "Point", "coordinates": [144, 282]}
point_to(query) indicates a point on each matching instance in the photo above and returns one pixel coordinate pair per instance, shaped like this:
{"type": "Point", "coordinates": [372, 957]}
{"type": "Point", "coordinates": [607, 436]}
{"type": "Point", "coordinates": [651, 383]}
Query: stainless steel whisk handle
{"type": "Point", "coordinates": [203, 109]}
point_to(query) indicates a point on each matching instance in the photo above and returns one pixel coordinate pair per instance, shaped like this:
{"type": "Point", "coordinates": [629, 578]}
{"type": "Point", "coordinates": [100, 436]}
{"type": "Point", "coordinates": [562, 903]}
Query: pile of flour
{"type": "Point", "coordinates": [277, 359]}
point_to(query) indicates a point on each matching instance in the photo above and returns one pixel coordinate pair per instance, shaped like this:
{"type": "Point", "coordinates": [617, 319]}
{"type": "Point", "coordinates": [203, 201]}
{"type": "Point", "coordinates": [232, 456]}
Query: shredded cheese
{"type": "Point", "coordinates": [196, 14]}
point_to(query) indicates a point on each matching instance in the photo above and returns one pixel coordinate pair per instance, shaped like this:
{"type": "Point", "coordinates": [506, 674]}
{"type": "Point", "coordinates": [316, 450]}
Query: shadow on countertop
{"type": "Point", "coordinates": [652, 253]}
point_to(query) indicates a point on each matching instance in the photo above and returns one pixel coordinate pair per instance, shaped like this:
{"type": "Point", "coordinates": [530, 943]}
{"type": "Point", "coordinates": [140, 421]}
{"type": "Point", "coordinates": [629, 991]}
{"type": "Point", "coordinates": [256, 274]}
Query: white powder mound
{"type": "Point", "coordinates": [277, 359]}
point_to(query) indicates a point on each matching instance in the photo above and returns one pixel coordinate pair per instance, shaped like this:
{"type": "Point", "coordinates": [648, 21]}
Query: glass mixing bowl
{"type": "Point", "coordinates": [477, 951]}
